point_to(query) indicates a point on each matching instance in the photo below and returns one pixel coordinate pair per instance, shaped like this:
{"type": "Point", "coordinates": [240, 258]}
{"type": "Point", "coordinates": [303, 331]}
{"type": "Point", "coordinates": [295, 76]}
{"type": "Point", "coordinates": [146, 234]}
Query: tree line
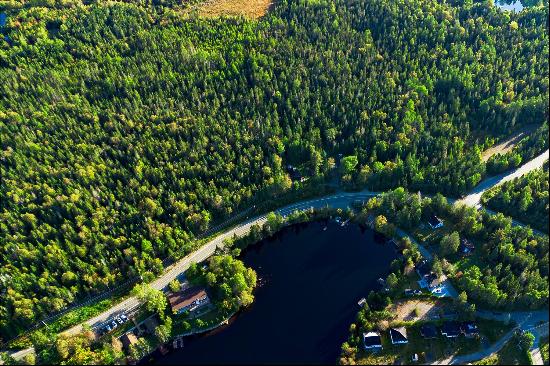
{"type": "Point", "coordinates": [128, 128]}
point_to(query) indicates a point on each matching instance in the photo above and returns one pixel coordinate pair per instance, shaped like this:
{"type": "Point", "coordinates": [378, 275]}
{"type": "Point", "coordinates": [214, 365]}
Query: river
{"type": "Point", "coordinates": [312, 278]}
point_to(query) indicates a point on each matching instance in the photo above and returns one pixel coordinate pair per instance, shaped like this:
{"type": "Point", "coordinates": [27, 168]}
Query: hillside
{"type": "Point", "coordinates": [128, 129]}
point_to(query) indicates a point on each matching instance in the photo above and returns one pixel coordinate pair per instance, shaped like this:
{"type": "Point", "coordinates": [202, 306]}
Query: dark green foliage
{"type": "Point", "coordinates": [128, 129]}
{"type": "Point", "coordinates": [511, 266]}
{"type": "Point", "coordinates": [525, 198]}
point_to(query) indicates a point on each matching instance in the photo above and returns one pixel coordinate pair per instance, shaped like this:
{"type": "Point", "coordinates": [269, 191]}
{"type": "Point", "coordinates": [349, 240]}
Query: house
{"type": "Point", "coordinates": [295, 174]}
{"type": "Point", "coordinates": [423, 268]}
{"type": "Point", "coordinates": [428, 331]}
{"type": "Point", "coordinates": [372, 340]}
{"type": "Point", "coordinates": [128, 339]}
{"type": "Point", "coordinates": [189, 299]}
{"type": "Point", "coordinates": [469, 329]}
{"type": "Point", "coordinates": [150, 324]}
{"type": "Point", "coordinates": [398, 335]}
{"type": "Point", "coordinates": [432, 281]}
{"type": "Point", "coordinates": [466, 247]}
{"type": "Point", "coordinates": [428, 279]}
{"type": "Point", "coordinates": [451, 329]}
{"type": "Point", "coordinates": [435, 222]}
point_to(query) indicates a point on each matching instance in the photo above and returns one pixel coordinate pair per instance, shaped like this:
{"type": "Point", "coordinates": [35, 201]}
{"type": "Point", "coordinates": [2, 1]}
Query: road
{"type": "Point", "coordinates": [535, 322]}
{"type": "Point", "coordinates": [338, 200]}
{"type": "Point", "coordinates": [474, 197]}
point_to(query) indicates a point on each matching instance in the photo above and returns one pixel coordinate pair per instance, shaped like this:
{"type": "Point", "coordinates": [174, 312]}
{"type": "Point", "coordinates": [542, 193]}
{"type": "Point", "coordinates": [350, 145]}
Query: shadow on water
{"type": "Point", "coordinates": [312, 279]}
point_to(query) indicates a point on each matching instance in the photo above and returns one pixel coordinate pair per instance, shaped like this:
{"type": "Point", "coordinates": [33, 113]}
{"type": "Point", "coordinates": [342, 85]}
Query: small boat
{"type": "Point", "coordinates": [362, 302]}
{"type": "Point", "coordinates": [325, 228]}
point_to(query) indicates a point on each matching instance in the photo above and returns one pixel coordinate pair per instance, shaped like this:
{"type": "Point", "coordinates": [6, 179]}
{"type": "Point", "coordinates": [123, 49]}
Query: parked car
{"type": "Point", "coordinates": [108, 328]}
{"type": "Point", "coordinates": [119, 320]}
{"type": "Point", "coordinates": [124, 318]}
{"type": "Point", "coordinates": [114, 324]}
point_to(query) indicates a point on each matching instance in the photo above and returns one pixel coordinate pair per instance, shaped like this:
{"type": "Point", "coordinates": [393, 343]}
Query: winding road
{"type": "Point", "coordinates": [338, 200]}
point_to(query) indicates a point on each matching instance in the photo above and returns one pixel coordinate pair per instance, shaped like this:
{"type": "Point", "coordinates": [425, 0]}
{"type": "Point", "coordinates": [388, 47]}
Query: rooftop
{"type": "Point", "coordinates": [182, 299]}
{"type": "Point", "coordinates": [428, 331]}
{"type": "Point", "coordinates": [398, 335]}
{"type": "Point", "coordinates": [451, 329]}
{"type": "Point", "coordinates": [372, 339]}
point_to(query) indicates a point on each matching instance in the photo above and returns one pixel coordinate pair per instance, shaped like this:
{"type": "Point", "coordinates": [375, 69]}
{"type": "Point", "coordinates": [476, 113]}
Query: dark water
{"type": "Point", "coordinates": [313, 280]}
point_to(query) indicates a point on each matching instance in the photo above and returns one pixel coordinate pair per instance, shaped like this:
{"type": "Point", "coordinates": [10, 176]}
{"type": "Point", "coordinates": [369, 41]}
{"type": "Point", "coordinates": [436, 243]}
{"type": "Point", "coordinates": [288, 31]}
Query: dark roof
{"type": "Point", "coordinates": [428, 331]}
{"type": "Point", "coordinates": [469, 328]}
{"type": "Point", "coordinates": [424, 268]}
{"type": "Point", "coordinates": [451, 329]}
{"type": "Point", "coordinates": [372, 339]}
{"type": "Point", "coordinates": [151, 324]}
{"type": "Point", "coordinates": [182, 299]}
{"type": "Point", "coordinates": [432, 280]}
{"type": "Point", "coordinates": [434, 220]}
{"type": "Point", "coordinates": [398, 334]}
{"type": "Point", "coordinates": [466, 246]}
{"type": "Point", "coordinates": [128, 339]}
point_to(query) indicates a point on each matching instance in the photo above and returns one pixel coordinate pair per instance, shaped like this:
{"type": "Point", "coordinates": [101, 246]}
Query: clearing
{"type": "Point", "coordinates": [252, 9]}
{"type": "Point", "coordinates": [416, 309]}
{"type": "Point", "coordinates": [508, 144]}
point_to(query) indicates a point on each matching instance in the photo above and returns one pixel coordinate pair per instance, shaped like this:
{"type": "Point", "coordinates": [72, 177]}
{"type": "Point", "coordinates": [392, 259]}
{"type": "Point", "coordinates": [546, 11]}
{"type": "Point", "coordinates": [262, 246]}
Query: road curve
{"type": "Point", "coordinates": [338, 200]}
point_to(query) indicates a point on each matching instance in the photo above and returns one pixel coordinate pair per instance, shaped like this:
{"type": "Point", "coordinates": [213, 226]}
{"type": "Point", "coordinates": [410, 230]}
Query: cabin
{"type": "Point", "coordinates": [435, 222]}
{"type": "Point", "coordinates": [128, 339]}
{"type": "Point", "coordinates": [428, 331]}
{"type": "Point", "coordinates": [451, 329]}
{"type": "Point", "coordinates": [469, 329]}
{"type": "Point", "coordinates": [372, 341]}
{"type": "Point", "coordinates": [189, 299]}
{"type": "Point", "coordinates": [151, 324]}
{"type": "Point", "coordinates": [466, 247]}
{"type": "Point", "coordinates": [398, 335]}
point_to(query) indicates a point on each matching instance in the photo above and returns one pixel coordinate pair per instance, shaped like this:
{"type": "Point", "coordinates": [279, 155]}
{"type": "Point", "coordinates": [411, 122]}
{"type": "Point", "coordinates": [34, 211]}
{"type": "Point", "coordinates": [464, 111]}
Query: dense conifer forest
{"type": "Point", "coordinates": [130, 127]}
{"type": "Point", "coordinates": [525, 198]}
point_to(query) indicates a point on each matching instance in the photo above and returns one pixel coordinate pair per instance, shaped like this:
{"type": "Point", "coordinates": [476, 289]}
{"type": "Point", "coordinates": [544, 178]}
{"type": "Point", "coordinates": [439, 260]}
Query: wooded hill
{"type": "Point", "coordinates": [128, 128]}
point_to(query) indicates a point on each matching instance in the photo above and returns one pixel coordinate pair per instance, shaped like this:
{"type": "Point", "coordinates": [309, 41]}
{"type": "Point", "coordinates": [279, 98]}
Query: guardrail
{"type": "Point", "coordinates": [125, 285]}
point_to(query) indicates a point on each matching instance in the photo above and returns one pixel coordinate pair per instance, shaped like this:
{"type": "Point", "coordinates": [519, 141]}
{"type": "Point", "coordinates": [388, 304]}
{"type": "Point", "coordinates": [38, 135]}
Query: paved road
{"type": "Point", "coordinates": [474, 197]}
{"type": "Point", "coordinates": [339, 200]}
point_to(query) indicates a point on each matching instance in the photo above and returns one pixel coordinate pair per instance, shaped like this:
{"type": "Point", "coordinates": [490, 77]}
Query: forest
{"type": "Point", "coordinates": [524, 198]}
{"type": "Point", "coordinates": [509, 267]}
{"type": "Point", "coordinates": [128, 128]}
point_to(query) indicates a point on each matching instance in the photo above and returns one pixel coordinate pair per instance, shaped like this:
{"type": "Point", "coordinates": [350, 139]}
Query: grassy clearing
{"type": "Point", "coordinates": [251, 9]}
{"type": "Point", "coordinates": [510, 354]}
